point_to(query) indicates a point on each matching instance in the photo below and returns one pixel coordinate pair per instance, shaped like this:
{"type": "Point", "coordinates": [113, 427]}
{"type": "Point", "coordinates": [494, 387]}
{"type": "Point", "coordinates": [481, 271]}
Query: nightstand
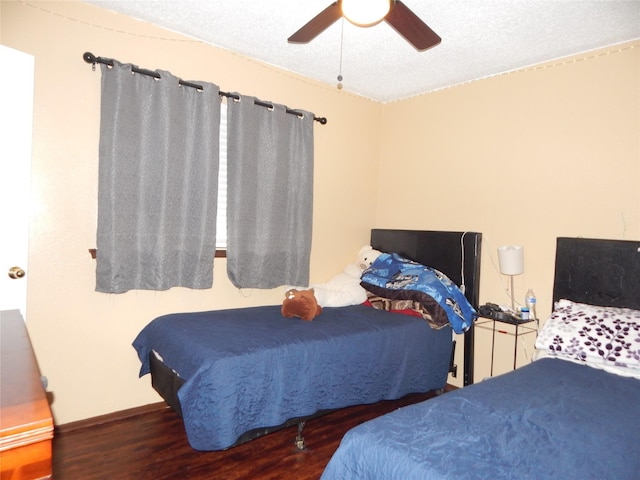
{"type": "Point", "coordinates": [521, 328]}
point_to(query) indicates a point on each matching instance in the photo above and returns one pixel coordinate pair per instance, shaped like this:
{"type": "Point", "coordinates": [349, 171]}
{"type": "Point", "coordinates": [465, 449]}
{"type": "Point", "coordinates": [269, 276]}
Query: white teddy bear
{"type": "Point", "coordinates": [366, 256]}
{"type": "Point", "coordinates": [344, 288]}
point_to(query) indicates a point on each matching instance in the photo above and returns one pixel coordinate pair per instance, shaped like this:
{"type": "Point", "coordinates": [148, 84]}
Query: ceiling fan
{"type": "Point", "coordinates": [394, 12]}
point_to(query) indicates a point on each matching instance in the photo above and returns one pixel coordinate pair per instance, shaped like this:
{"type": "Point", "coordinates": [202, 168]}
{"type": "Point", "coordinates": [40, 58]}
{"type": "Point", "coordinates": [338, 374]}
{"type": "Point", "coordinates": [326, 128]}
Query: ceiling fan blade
{"type": "Point", "coordinates": [409, 25]}
{"type": "Point", "coordinates": [317, 25]}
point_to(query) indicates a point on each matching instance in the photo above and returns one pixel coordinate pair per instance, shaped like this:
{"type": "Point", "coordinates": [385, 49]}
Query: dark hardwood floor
{"type": "Point", "coordinates": [153, 445]}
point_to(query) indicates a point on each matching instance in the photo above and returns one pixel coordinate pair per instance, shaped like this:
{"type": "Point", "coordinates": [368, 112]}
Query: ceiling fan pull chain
{"type": "Point", "coordinates": [340, 69]}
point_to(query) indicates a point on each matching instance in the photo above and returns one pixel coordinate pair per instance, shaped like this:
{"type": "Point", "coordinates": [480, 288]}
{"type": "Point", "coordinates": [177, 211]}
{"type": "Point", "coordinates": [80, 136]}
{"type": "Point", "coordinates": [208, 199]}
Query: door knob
{"type": "Point", "coordinates": [16, 272]}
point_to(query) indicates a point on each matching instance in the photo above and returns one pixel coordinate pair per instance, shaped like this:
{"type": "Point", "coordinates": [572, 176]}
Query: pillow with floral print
{"type": "Point", "coordinates": [601, 337]}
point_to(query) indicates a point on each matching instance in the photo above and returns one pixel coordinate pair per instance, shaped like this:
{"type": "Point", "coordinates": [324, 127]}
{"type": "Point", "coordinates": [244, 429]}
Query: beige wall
{"type": "Point", "coordinates": [523, 157]}
{"type": "Point", "coordinates": [83, 338]}
{"type": "Point", "coordinates": [577, 118]}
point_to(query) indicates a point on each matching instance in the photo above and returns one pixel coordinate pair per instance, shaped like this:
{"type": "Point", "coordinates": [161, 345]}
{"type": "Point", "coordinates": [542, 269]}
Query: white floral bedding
{"type": "Point", "coordinates": [601, 337]}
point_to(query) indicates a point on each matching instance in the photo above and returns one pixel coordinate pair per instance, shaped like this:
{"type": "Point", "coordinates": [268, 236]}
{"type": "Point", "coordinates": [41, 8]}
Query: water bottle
{"type": "Point", "coordinates": [530, 302]}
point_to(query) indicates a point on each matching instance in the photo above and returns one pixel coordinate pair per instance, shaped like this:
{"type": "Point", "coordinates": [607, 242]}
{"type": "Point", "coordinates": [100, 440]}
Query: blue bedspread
{"type": "Point", "coordinates": [252, 368]}
{"type": "Point", "coordinates": [548, 420]}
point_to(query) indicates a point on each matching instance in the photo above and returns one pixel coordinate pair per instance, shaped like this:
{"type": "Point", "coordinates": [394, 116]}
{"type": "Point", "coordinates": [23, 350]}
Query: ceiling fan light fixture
{"type": "Point", "coordinates": [365, 13]}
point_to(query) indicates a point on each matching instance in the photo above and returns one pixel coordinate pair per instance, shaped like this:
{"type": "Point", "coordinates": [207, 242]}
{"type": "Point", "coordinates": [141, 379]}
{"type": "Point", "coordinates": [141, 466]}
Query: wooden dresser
{"type": "Point", "coordinates": [26, 423]}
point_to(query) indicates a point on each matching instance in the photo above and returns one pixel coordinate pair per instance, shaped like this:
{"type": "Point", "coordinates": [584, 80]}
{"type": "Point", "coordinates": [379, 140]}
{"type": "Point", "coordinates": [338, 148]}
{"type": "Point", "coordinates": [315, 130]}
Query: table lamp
{"type": "Point", "coordinates": [511, 261]}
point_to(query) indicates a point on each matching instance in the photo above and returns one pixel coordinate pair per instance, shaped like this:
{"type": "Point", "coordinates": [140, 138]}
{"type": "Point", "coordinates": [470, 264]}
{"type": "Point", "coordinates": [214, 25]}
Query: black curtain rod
{"type": "Point", "coordinates": [91, 58]}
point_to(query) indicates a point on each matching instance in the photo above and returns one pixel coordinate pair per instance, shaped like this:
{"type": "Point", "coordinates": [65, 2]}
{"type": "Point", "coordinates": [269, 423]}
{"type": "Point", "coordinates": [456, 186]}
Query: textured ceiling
{"type": "Point", "coordinates": [480, 38]}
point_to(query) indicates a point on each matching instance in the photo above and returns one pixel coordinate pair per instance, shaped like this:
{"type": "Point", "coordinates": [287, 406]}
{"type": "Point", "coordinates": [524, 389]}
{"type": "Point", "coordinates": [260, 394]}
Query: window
{"type": "Point", "coordinates": [221, 219]}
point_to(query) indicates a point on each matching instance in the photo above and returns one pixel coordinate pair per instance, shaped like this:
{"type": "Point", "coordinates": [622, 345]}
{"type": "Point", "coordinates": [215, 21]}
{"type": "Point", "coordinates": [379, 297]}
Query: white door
{"type": "Point", "coordinates": [16, 119]}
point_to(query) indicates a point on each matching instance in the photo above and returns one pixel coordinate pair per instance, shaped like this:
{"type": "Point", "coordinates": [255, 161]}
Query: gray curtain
{"type": "Point", "coordinates": [157, 190]}
{"type": "Point", "coordinates": [269, 195]}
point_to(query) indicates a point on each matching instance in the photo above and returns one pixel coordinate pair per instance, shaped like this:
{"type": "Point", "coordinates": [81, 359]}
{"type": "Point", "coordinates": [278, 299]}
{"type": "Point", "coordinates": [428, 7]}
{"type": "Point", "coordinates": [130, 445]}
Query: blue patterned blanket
{"type": "Point", "coordinates": [394, 277]}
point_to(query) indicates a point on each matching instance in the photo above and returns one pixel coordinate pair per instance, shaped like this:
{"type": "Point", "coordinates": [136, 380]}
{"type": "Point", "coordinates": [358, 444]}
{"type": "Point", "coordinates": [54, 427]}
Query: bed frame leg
{"type": "Point", "coordinates": [299, 438]}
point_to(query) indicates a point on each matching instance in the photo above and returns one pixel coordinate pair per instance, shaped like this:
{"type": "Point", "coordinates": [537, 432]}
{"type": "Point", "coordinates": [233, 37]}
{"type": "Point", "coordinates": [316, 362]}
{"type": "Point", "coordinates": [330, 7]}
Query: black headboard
{"type": "Point", "coordinates": [598, 272]}
{"type": "Point", "coordinates": [456, 254]}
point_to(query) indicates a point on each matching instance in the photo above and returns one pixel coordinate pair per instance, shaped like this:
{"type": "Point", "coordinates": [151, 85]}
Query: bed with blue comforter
{"type": "Point", "coordinates": [574, 413]}
{"type": "Point", "coordinates": [236, 374]}
{"type": "Point", "coordinates": [250, 368]}
{"type": "Point", "coordinates": [551, 419]}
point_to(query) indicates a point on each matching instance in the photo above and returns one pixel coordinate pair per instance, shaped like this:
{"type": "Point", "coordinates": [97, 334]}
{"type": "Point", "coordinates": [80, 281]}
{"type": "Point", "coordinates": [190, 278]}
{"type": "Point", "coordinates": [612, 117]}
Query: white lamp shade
{"type": "Point", "coordinates": [511, 259]}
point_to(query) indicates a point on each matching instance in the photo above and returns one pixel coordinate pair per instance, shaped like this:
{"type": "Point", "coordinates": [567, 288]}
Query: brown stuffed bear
{"type": "Point", "coordinates": [301, 304]}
